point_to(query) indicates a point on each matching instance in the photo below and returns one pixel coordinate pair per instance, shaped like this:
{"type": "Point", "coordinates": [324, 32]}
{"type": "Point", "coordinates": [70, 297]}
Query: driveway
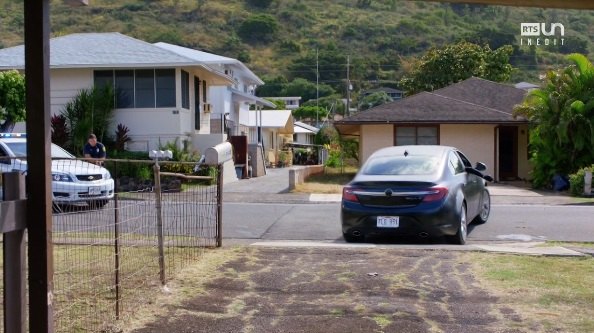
{"type": "Point", "coordinates": [340, 290]}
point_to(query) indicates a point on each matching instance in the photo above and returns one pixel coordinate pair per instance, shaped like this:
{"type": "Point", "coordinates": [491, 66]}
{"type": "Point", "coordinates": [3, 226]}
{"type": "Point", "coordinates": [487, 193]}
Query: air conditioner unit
{"type": "Point", "coordinates": [207, 107]}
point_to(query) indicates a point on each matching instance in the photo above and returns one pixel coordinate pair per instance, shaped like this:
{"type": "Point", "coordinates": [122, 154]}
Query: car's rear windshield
{"type": "Point", "coordinates": [19, 149]}
{"type": "Point", "coordinates": [401, 165]}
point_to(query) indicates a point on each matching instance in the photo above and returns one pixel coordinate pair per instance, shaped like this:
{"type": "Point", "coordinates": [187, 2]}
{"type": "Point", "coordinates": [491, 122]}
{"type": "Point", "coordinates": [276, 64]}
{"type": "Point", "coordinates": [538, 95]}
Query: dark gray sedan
{"type": "Point", "coordinates": [415, 190]}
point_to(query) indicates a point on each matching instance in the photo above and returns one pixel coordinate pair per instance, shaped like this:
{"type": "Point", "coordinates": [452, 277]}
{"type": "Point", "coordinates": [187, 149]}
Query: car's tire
{"type": "Point", "coordinates": [462, 233]}
{"type": "Point", "coordinates": [350, 238]}
{"type": "Point", "coordinates": [97, 204]}
{"type": "Point", "coordinates": [485, 208]}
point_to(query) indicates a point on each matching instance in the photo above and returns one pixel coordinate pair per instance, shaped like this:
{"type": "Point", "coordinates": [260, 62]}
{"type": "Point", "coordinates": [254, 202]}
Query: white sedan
{"type": "Point", "coordinates": [73, 180]}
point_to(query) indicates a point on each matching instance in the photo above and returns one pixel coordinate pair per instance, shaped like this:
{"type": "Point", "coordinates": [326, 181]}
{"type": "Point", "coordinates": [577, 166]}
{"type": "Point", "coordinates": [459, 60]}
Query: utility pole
{"type": "Point", "coordinates": [348, 87]}
{"type": "Point", "coordinates": [317, 89]}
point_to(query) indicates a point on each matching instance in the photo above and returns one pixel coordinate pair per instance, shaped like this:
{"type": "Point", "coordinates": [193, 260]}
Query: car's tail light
{"type": "Point", "coordinates": [348, 194]}
{"type": "Point", "coordinates": [435, 194]}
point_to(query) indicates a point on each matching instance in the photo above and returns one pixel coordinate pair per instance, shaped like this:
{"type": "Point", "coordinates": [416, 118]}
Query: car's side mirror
{"type": "Point", "coordinates": [480, 166]}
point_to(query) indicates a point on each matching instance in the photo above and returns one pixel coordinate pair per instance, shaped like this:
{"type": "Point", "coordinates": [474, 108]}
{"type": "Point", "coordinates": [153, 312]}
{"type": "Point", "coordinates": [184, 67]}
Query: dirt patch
{"type": "Point", "coordinates": [341, 290]}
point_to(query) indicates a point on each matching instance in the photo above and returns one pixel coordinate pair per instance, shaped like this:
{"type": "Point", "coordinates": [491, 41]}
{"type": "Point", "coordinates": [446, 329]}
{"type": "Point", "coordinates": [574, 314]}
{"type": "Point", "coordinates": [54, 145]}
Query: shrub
{"type": "Point", "coordinates": [576, 181]}
{"type": "Point", "coordinates": [180, 154]}
{"type": "Point", "coordinates": [60, 132]}
{"type": "Point", "coordinates": [260, 27]}
{"type": "Point", "coordinates": [121, 137]}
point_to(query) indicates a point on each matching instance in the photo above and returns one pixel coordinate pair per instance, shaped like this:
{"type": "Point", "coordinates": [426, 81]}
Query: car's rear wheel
{"type": "Point", "coordinates": [483, 215]}
{"type": "Point", "coordinates": [460, 236]}
{"type": "Point", "coordinates": [97, 204]}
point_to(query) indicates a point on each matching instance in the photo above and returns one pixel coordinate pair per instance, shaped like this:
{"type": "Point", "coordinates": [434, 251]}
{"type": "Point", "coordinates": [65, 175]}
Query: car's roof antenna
{"type": "Point", "coordinates": [405, 153]}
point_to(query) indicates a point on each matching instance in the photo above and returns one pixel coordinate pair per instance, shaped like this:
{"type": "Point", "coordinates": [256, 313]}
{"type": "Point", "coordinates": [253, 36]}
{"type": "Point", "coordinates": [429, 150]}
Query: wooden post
{"type": "Point", "coordinates": [14, 261]}
{"type": "Point", "coordinates": [39, 200]}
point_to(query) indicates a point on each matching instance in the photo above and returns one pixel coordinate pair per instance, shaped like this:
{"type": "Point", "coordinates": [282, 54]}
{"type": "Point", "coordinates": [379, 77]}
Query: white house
{"type": "Point", "coordinates": [163, 95]}
{"type": "Point", "coordinates": [273, 129]}
{"type": "Point", "coordinates": [228, 105]}
{"type": "Point", "coordinates": [291, 103]}
{"type": "Point", "coordinates": [304, 133]}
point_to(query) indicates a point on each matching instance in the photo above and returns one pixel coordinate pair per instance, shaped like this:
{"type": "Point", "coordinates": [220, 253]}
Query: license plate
{"type": "Point", "coordinates": [388, 221]}
{"type": "Point", "coordinates": [94, 190]}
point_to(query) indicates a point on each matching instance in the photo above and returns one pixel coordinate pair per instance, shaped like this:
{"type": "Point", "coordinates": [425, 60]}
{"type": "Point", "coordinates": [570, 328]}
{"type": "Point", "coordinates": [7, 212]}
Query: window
{"type": "Point", "coordinates": [416, 135]}
{"type": "Point", "coordinates": [165, 87]}
{"type": "Point", "coordinates": [401, 165]}
{"type": "Point", "coordinates": [203, 91]}
{"type": "Point", "coordinates": [142, 88]}
{"type": "Point", "coordinates": [124, 87]}
{"type": "Point", "coordinates": [185, 89]}
{"type": "Point", "coordinates": [455, 164]}
{"type": "Point", "coordinates": [103, 78]}
{"type": "Point", "coordinates": [196, 103]}
{"type": "Point", "coordinates": [145, 88]}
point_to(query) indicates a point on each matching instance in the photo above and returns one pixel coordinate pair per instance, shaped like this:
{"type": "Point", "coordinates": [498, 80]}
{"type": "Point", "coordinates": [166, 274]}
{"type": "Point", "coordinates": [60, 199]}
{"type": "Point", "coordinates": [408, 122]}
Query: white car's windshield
{"type": "Point", "coordinates": [19, 149]}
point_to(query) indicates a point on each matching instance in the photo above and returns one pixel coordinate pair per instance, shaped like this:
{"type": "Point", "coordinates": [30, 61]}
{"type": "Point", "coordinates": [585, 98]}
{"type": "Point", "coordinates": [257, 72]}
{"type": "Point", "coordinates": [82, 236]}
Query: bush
{"type": "Point", "coordinates": [260, 27]}
{"type": "Point", "coordinates": [333, 160]}
{"type": "Point", "coordinates": [576, 181]}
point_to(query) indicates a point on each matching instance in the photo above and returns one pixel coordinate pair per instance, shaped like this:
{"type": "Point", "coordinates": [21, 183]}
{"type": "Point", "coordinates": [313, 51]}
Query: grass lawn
{"type": "Point", "coordinates": [555, 294]}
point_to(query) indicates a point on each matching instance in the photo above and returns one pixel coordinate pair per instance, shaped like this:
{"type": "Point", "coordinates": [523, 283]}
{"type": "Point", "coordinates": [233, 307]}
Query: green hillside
{"type": "Point", "coordinates": [280, 37]}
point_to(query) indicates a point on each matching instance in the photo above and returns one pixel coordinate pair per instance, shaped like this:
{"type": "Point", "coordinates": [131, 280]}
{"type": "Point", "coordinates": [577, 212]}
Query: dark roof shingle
{"type": "Point", "coordinates": [471, 101]}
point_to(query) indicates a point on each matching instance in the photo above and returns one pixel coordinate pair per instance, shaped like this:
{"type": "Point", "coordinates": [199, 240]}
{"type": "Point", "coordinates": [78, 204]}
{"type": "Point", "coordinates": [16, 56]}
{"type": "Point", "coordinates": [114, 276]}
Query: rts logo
{"type": "Point", "coordinates": [538, 29]}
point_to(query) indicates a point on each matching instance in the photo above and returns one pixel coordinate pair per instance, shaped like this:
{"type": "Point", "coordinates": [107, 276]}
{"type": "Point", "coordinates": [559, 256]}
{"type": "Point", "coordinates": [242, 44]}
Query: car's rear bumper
{"type": "Point", "coordinates": [436, 220]}
{"type": "Point", "coordinates": [66, 192]}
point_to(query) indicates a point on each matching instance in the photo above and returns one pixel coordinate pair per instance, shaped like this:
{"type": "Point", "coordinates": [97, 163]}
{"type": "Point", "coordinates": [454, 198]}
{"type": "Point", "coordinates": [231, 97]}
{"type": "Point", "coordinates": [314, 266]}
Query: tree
{"type": "Point", "coordinates": [562, 118]}
{"type": "Point", "coordinates": [273, 86]}
{"type": "Point", "coordinates": [259, 27]}
{"type": "Point", "coordinates": [260, 3]}
{"type": "Point", "coordinates": [12, 99]}
{"type": "Point", "coordinates": [310, 113]}
{"type": "Point", "coordinates": [306, 89]}
{"type": "Point", "coordinates": [90, 111]}
{"type": "Point", "coordinates": [456, 62]}
{"type": "Point", "coordinates": [373, 100]}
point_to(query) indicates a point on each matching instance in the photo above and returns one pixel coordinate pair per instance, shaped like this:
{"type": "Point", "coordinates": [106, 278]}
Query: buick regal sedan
{"type": "Point", "coordinates": [415, 191]}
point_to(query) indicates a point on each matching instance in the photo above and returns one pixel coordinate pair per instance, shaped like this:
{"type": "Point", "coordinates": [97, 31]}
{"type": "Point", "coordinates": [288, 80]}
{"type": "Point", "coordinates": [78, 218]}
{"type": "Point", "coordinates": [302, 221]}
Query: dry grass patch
{"type": "Point", "coordinates": [554, 294]}
{"type": "Point", "coordinates": [330, 182]}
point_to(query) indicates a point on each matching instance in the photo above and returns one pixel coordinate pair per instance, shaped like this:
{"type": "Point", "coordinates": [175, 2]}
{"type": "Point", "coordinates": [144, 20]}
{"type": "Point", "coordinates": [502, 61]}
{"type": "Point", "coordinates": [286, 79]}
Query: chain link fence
{"type": "Point", "coordinates": [121, 230]}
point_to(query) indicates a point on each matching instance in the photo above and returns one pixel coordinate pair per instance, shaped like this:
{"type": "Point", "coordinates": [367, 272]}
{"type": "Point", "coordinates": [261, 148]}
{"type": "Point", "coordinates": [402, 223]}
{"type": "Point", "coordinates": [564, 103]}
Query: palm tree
{"type": "Point", "coordinates": [562, 117]}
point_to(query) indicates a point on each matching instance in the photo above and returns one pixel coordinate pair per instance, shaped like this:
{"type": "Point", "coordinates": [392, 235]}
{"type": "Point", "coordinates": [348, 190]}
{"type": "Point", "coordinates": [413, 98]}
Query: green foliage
{"type": "Point", "coordinates": [306, 89]}
{"type": "Point", "coordinates": [182, 153]}
{"type": "Point", "coordinates": [334, 159]}
{"type": "Point", "coordinates": [260, 3]}
{"type": "Point", "coordinates": [12, 99]}
{"type": "Point", "coordinates": [373, 100]}
{"type": "Point", "coordinates": [330, 59]}
{"type": "Point", "coordinates": [134, 170]}
{"type": "Point", "coordinates": [562, 116]}
{"type": "Point", "coordinates": [273, 86]}
{"type": "Point", "coordinates": [90, 111]}
{"type": "Point", "coordinates": [332, 103]}
{"type": "Point", "coordinates": [258, 28]}
{"type": "Point", "coordinates": [441, 67]}
{"type": "Point", "coordinates": [577, 182]}
{"type": "Point", "coordinates": [280, 104]}
{"type": "Point", "coordinates": [310, 112]}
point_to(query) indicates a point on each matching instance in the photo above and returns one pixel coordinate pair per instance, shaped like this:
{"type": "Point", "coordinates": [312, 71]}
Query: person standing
{"type": "Point", "coordinates": [94, 150]}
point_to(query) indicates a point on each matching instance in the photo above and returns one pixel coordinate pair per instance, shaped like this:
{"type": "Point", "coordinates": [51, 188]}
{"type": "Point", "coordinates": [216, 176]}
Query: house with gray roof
{"type": "Point", "coordinates": [474, 115]}
{"type": "Point", "coordinates": [165, 92]}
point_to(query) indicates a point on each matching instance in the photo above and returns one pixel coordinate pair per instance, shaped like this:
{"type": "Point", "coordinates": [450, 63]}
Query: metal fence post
{"type": "Point", "coordinates": [220, 205]}
{"type": "Point", "coordinates": [157, 171]}
{"type": "Point", "coordinates": [14, 261]}
{"type": "Point", "coordinates": [116, 240]}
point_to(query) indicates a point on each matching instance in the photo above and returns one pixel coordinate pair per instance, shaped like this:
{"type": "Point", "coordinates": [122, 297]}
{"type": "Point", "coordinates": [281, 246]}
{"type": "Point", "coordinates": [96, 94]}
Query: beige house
{"type": "Point", "coordinates": [474, 115]}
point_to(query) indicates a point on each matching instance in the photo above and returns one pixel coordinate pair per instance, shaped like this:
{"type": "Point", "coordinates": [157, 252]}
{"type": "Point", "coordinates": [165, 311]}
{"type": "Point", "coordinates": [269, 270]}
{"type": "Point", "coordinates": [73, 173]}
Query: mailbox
{"type": "Point", "coordinates": [219, 154]}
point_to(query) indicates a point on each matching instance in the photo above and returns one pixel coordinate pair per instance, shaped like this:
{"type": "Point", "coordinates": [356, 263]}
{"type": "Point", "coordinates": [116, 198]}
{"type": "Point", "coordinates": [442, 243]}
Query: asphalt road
{"type": "Point", "coordinates": [247, 222]}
